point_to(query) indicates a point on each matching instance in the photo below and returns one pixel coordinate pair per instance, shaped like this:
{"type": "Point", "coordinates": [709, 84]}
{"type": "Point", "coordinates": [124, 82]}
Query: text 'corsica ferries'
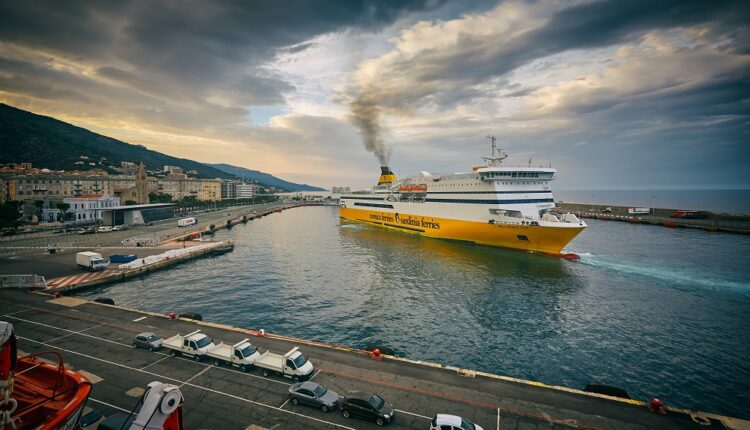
{"type": "Point", "coordinates": [494, 205]}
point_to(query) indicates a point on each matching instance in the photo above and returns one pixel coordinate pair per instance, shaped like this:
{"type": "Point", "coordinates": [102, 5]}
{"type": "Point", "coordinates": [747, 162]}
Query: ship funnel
{"type": "Point", "coordinates": [386, 176]}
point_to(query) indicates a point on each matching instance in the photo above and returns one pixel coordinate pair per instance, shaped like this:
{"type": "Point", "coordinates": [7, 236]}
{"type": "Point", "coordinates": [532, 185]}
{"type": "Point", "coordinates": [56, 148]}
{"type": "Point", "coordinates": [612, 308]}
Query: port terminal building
{"type": "Point", "coordinates": [137, 214]}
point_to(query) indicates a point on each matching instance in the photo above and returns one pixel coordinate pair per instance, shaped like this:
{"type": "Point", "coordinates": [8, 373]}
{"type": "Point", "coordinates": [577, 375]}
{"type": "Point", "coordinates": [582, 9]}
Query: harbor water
{"type": "Point", "coordinates": [658, 312]}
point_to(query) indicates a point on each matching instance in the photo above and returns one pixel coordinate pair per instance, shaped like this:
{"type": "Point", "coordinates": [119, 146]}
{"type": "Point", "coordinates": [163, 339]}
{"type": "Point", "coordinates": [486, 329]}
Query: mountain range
{"type": "Point", "coordinates": [46, 142]}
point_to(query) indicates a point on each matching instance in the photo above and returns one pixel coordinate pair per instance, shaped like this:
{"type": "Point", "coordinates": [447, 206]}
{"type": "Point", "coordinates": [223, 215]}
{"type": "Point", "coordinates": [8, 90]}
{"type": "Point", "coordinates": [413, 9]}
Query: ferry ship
{"type": "Point", "coordinates": [495, 205]}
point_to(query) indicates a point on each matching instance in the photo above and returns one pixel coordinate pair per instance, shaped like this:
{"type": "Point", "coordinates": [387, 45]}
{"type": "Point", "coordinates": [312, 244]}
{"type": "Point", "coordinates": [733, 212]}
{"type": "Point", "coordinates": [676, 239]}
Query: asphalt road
{"type": "Point", "coordinates": [98, 338]}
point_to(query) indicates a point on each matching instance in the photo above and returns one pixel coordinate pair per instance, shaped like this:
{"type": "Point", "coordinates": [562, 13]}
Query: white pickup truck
{"type": "Point", "coordinates": [242, 354]}
{"type": "Point", "coordinates": [293, 365]}
{"type": "Point", "coordinates": [195, 344]}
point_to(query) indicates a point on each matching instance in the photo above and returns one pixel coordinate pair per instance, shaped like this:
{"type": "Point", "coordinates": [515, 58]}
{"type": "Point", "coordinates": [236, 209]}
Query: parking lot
{"type": "Point", "coordinates": [97, 339]}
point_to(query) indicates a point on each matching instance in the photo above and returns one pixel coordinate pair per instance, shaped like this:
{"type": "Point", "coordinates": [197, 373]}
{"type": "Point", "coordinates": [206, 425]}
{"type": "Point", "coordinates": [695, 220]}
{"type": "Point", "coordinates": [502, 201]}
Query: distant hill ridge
{"type": "Point", "coordinates": [265, 178]}
{"type": "Point", "coordinates": [54, 144]}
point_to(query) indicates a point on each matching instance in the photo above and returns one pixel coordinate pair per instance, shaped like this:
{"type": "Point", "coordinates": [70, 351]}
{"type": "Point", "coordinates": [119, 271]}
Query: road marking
{"type": "Point", "coordinates": [156, 362]}
{"type": "Point", "coordinates": [412, 413]}
{"type": "Point", "coordinates": [75, 332]}
{"type": "Point", "coordinates": [17, 312]}
{"type": "Point", "coordinates": [196, 375]}
{"type": "Point", "coordinates": [498, 418]}
{"type": "Point", "coordinates": [316, 374]}
{"type": "Point", "coordinates": [139, 319]}
{"type": "Point", "coordinates": [200, 387]}
{"type": "Point", "coordinates": [284, 404]}
{"type": "Point", "coordinates": [110, 405]}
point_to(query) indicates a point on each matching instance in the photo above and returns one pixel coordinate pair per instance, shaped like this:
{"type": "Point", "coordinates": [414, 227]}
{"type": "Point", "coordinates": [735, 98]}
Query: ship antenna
{"type": "Point", "coordinates": [494, 145]}
{"type": "Point", "coordinates": [496, 158]}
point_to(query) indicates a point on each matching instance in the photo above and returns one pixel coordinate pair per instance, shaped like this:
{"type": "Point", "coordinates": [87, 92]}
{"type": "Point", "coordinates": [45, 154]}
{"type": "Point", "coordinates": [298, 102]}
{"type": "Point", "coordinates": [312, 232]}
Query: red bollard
{"type": "Point", "coordinates": [656, 406]}
{"type": "Point", "coordinates": [172, 315]}
{"type": "Point", "coordinates": [56, 295]}
{"type": "Point", "coordinates": [376, 354]}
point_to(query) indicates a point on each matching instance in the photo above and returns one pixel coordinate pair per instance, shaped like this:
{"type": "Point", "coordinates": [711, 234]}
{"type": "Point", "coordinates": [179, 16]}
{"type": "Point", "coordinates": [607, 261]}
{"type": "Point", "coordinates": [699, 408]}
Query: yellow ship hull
{"type": "Point", "coordinates": [543, 239]}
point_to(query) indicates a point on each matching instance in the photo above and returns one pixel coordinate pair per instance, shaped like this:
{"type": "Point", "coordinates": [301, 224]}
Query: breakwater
{"type": "Point", "coordinates": [710, 221]}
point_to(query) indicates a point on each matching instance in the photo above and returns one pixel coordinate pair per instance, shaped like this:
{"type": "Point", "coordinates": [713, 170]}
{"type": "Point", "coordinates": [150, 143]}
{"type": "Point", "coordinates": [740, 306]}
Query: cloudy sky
{"type": "Point", "coordinates": [615, 94]}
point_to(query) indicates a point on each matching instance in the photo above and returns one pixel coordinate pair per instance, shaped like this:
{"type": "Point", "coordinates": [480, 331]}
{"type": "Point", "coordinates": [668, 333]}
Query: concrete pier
{"type": "Point", "coordinates": [97, 339]}
{"type": "Point", "coordinates": [713, 222]}
{"type": "Point", "coordinates": [168, 247]}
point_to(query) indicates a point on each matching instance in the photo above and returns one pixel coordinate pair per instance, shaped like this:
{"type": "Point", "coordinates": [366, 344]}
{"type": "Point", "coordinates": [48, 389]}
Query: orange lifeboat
{"type": "Point", "coordinates": [413, 189]}
{"type": "Point", "coordinates": [43, 395]}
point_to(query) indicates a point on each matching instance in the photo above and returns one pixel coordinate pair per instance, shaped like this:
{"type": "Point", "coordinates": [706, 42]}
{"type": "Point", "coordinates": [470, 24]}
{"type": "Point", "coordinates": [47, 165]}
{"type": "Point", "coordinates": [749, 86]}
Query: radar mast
{"type": "Point", "coordinates": [497, 155]}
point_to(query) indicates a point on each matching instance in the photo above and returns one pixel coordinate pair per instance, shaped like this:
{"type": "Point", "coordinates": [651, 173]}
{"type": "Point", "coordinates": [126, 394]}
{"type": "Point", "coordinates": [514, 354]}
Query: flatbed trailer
{"type": "Point", "coordinates": [241, 355]}
{"type": "Point", "coordinates": [293, 365]}
{"type": "Point", "coordinates": [195, 344]}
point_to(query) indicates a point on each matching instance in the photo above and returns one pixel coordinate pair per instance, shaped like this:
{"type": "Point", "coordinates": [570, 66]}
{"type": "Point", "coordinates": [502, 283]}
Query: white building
{"type": "Point", "coordinates": [245, 191]}
{"type": "Point", "coordinates": [88, 207]}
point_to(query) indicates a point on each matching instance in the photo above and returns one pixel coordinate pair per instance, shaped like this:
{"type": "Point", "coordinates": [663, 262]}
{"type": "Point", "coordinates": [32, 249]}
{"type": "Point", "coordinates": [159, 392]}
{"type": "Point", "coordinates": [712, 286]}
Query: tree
{"type": "Point", "coordinates": [63, 209]}
{"type": "Point", "coordinates": [9, 214]}
{"type": "Point", "coordinates": [130, 202]}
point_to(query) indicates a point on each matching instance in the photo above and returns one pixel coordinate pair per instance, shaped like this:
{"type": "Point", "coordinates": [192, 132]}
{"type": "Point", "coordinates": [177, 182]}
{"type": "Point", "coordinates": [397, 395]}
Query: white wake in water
{"type": "Point", "coordinates": [672, 276]}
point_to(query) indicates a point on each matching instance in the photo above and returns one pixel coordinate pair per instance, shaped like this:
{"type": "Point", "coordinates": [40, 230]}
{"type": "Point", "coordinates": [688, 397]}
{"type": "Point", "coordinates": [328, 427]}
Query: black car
{"type": "Point", "coordinates": [368, 406]}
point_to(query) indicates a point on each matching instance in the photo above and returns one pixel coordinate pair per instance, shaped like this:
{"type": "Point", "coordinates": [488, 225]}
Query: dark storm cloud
{"type": "Point", "coordinates": [188, 51]}
{"type": "Point", "coordinates": [475, 58]}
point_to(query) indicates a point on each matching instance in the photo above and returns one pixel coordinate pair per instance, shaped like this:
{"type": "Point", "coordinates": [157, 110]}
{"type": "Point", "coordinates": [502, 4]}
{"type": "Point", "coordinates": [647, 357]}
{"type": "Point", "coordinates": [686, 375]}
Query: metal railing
{"type": "Point", "coordinates": [22, 281]}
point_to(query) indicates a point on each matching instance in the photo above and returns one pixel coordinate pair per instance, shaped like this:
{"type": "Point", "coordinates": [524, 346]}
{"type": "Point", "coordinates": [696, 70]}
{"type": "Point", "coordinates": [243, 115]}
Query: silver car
{"type": "Point", "coordinates": [148, 340]}
{"type": "Point", "coordinates": [313, 394]}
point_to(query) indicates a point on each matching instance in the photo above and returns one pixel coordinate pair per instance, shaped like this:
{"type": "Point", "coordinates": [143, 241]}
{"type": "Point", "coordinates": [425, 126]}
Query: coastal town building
{"type": "Point", "coordinates": [89, 207]}
{"type": "Point", "coordinates": [246, 191]}
{"type": "Point", "coordinates": [23, 183]}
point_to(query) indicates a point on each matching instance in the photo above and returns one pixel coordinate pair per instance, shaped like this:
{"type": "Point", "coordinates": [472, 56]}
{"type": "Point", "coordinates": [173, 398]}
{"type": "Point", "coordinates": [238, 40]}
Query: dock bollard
{"type": "Point", "coordinates": [376, 354]}
{"type": "Point", "coordinates": [657, 406]}
{"type": "Point", "coordinates": [262, 332]}
{"type": "Point", "coordinates": [172, 315]}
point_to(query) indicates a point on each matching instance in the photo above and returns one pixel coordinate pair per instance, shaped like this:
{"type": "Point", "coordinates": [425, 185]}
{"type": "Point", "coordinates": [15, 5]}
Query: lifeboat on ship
{"type": "Point", "coordinates": [40, 394]}
{"type": "Point", "coordinates": [413, 189]}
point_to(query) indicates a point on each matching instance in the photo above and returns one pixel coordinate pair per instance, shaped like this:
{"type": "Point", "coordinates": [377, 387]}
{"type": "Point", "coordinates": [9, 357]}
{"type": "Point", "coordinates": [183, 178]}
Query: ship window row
{"type": "Point", "coordinates": [490, 202]}
{"type": "Point", "coordinates": [518, 174]}
{"type": "Point", "coordinates": [362, 198]}
{"type": "Point", "coordinates": [492, 192]}
{"type": "Point", "coordinates": [374, 205]}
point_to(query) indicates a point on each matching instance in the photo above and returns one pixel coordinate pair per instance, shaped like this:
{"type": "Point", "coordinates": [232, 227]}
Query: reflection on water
{"type": "Point", "coordinates": [307, 274]}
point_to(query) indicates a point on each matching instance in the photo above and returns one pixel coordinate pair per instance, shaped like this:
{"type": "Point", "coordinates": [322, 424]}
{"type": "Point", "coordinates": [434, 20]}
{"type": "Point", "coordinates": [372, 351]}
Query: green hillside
{"type": "Point", "coordinates": [49, 143]}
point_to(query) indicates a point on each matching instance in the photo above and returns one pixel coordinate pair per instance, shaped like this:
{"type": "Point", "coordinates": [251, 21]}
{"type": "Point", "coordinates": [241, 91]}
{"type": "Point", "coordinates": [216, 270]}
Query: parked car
{"type": "Point", "coordinates": [149, 223]}
{"type": "Point", "coordinates": [452, 422]}
{"type": "Point", "coordinates": [148, 340]}
{"type": "Point", "coordinates": [104, 229]}
{"type": "Point", "coordinates": [313, 394]}
{"type": "Point", "coordinates": [368, 406]}
{"type": "Point", "coordinates": [120, 227]}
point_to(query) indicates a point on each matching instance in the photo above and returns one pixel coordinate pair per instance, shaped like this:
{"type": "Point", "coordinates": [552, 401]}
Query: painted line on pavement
{"type": "Point", "coordinates": [110, 405]}
{"type": "Point", "coordinates": [196, 375]}
{"type": "Point", "coordinates": [156, 362]}
{"type": "Point", "coordinates": [140, 319]}
{"type": "Point", "coordinates": [75, 332]}
{"type": "Point", "coordinates": [412, 413]}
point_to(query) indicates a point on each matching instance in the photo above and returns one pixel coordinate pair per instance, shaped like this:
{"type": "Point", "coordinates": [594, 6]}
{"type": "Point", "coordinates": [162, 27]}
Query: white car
{"type": "Point", "coordinates": [452, 422]}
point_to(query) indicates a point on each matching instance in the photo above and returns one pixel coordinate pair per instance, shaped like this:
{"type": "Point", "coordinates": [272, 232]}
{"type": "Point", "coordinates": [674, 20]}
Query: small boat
{"type": "Point", "coordinates": [47, 395]}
